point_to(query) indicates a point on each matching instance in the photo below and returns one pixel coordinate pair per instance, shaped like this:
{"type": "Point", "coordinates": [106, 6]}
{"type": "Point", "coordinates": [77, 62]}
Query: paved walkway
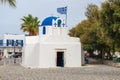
{"type": "Point", "coordinates": [89, 72]}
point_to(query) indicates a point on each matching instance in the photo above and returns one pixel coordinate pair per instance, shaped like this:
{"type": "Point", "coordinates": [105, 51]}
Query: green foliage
{"type": "Point", "coordinates": [12, 3]}
{"type": "Point", "coordinates": [101, 29]}
{"type": "Point", "coordinates": [92, 12]}
{"type": "Point", "coordinates": [30, 24]}
{"type": "Point", "coordinates": [110, 22]}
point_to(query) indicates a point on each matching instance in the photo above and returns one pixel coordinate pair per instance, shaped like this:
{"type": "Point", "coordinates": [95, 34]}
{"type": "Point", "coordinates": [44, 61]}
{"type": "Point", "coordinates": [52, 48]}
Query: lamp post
{"type": "Point", "coordinates": [14, 52]}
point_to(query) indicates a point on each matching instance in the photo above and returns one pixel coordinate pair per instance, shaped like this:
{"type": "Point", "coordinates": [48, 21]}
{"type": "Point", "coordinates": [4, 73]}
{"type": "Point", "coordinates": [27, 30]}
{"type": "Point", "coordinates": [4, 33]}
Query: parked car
{"type": "Point", "coordinates": [16, 55]}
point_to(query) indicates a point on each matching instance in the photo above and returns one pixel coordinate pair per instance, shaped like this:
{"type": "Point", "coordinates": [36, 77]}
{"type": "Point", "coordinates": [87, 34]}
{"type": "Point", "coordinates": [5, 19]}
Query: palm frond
{"type": "Point", "coordinates": [12, 3]}
{"type": "Point", "coordinates": [30, 24]}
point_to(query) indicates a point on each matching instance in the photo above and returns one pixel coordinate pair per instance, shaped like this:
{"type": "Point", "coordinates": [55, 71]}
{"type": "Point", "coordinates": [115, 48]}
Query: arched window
{"type": "Point", "coordinates": [44, 30]}
{"type": "Point", "coordinates": [59, 23]}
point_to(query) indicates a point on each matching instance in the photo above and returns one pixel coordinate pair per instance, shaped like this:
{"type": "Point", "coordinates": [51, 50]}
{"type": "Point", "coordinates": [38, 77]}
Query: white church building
{"type": "Point", "coordinates": [53, 47]}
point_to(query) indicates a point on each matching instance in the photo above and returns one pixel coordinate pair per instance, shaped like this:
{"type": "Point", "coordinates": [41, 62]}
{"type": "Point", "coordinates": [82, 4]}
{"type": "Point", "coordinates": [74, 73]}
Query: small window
{"type": "Point", "coordinates": [10, 42]}
{"type": "Point", "coordinates": [44, 30]}
{"type": "Point", "coordinates": [59, 23]}
{"type": "Point", "coordinates": [1, 42]}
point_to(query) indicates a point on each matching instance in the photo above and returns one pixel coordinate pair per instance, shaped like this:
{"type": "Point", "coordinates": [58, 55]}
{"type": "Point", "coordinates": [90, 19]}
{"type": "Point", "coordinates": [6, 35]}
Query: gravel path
{"type": "Point", "coordinates": [96, 72]}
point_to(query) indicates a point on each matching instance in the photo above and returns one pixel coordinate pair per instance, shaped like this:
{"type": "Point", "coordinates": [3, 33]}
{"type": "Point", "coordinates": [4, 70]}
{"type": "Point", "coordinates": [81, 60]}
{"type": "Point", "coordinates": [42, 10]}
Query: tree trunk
{"type": "Point", "coordinates": [113, 48]}
{"type": "Point", "coordinates": [102, 56]}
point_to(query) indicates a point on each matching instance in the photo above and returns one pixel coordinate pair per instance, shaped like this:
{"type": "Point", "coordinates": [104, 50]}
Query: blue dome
{"type": "Point", "coordinates": [48, 21]}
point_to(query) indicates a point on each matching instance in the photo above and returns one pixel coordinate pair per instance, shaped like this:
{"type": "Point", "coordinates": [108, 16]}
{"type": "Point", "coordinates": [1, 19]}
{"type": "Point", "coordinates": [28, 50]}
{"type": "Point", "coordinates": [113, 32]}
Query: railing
{"type": "Point", "coordinates": [7, 61]}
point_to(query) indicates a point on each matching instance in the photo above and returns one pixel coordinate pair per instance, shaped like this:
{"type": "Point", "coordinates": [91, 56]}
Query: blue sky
{"type": "Point", "coordinates": [10, 18]}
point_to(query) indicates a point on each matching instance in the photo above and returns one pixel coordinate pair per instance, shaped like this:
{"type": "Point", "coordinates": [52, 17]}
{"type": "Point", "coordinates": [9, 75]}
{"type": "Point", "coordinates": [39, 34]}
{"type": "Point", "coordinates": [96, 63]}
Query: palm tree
{"type": "Point", "coordinates": [30, 24]}
{"type": "Point", "coordinates": [12, 3]}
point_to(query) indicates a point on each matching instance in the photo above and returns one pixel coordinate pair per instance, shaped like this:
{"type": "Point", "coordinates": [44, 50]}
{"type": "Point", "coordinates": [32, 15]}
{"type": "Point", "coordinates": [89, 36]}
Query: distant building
{"type": "Point", "coordinates": [11, 44]}
{"type": "Point", "coordinates": [53, 47]}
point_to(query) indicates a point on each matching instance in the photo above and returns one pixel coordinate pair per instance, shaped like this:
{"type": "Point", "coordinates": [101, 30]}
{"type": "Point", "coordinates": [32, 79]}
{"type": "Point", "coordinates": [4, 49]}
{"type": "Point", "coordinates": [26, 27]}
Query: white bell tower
{"type": "Point", "coordinates": [53, 26]}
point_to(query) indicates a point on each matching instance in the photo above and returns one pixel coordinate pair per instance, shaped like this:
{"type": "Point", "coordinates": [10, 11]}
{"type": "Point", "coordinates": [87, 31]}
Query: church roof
{"type": "Point", "coordinates": [48, 21]}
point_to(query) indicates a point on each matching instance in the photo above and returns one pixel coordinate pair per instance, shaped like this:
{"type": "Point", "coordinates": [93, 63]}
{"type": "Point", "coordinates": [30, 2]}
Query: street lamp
{"type": "Point", "coordinates": [14, 52]}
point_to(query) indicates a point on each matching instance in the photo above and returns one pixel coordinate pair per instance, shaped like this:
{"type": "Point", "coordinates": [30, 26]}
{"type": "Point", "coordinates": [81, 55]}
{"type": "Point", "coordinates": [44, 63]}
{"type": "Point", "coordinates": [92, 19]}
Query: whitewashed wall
{"type": "Point", "coordinates": [44, 54]}
{"type": "Point", "coordinates": [30, 55]}
{"type": "Point", "coordinates": [72, 55]}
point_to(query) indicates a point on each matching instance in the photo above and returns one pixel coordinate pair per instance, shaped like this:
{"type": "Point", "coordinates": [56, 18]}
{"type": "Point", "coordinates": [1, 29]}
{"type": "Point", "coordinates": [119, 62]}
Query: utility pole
{"type": "Point", "coordinates": [14, 52]}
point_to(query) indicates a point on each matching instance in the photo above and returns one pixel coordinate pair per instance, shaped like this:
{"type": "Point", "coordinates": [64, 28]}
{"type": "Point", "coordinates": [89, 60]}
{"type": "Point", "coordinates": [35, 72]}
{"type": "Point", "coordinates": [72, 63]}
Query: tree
{"type": "Point", "coordinates": [90, 31]}
{"type": "Point", "coordinates": [92, 13]}
{"type": "Point", "coordinates": [110, 17]}
{"type": "Point", "coordinates": [12, 3]}
{"type": "Point", "coordinates": [30, 24]}
{"type": "Point", "coordinates": [101, 30]}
